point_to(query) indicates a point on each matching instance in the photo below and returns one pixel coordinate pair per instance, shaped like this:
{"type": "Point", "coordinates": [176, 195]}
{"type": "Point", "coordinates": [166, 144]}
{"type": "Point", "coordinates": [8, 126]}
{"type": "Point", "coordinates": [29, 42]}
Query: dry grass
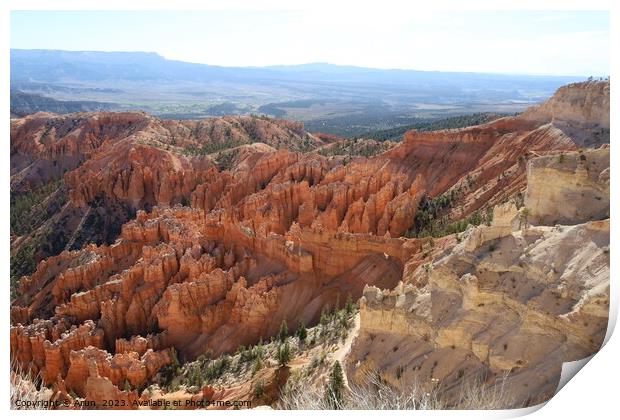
{"type": "Point", "coordinates": [375, 394]}
{"type": "Point", "coordinates": [477, 394]}
{"type": "Point", "coordinates": [23, 387]}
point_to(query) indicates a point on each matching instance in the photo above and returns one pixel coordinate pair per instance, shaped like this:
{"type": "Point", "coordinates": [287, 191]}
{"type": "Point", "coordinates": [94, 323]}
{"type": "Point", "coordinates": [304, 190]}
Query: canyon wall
{"type": "Point", "coordinates": [509, 304]}
{"type": "Point", "coordinates": [569, 187]}
{"type": "Point", "coordinates": [220, 239]}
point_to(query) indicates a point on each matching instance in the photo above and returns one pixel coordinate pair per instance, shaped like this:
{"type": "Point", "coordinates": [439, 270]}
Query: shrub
{"type": "Point", "coordinates": [27, 210]}
{"type": "Point", "coordinates": [523, 218]}
{"type": "Point", "coordinates": [343, 319]}
{"type": "Point", "coordinates": [259, 388]}
{"type": "Point", "coordinates": [429, 222]}
{"type": "Point", "coordinates": [209, 148]}
{"type": "Point", "coordinates": [216, 368]}
{"type": "Point", "coordinates": [324, 318]}
{"type": "Point", "coordinates": [23, 263]}
{"type": "Point", "coordinates": [284, 353]}
{"type": "Point", "coordinates": [250, 354]}
{"type": "Point", "coordinates": [489, 216]}
{"type": "Point", "coordinates": [26, 387]}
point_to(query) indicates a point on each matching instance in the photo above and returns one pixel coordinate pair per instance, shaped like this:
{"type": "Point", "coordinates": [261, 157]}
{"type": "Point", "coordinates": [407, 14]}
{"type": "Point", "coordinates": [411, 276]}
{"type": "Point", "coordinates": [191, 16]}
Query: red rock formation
{"type": "Point", "coordinates": [275, 236]}
{"type": "Point", "coordinates": [137, 174]}
{"type": "Point", "coordinates": [121, 369]}
{"type": "Point", "coordinates": [105, 394]}
{"type": "Point", "coordinates": [44, 146]}
{"type": "Point", "coordinates": [44, 346]}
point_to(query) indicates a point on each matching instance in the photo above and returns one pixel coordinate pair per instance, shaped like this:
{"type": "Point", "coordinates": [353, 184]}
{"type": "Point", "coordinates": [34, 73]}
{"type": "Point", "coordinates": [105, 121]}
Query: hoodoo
{"type": "Point", "coordinates": [165, 242]}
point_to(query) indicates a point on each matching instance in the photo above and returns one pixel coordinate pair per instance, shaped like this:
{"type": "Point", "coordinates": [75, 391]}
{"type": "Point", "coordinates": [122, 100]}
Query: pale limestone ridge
{"type": "Point", "coordinates": [516, 298]}
{"type": "Point", "coordinates": [584, 103]}
{"type": "Point", "coordinates": [568, 188]}
{"type": "Point", "coordinates": [579, 110]}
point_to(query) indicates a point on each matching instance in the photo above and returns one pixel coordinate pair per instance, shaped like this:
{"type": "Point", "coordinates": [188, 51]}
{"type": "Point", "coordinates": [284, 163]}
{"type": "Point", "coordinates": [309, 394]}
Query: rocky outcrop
{"type": "Point", "coordinates": [138, 175]}
{"type": "Point", "coordinates": [379, 195]}
{"type": "Point", "coordinates": [476, 309]}
{"type": "Point", "coordinates": [581, 103]}
{"type": "Point", "coordinates": [57, 279]}
{"type": "Point", "coordinates": [44, 347]}
{"type": "Point", "coordinates": [124, 369]}
{"type": "Point", "coordinates": [277, 133]}
{"type": "Point", "coordinates": [102, 391]}
{"type": "Point", "coordinates": [570, 187]}
{"type": "Point", "coordinates": [44, 146]}
{"type": "Point", "coordinates": [353, 147]}
{"type": "Point", "coordinates": [109, 165]}
{"type": "Point", "coordinates": [580, 110]}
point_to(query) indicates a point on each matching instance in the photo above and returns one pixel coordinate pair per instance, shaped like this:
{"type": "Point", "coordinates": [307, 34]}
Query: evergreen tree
{"type": "Point", "coordinates": [324, 318]}
{"type": "Point", "coordinates": [258, 365]}
{"type": "Point", "coordinates": [284, 353]}
{"type": "Point", "coordinates": [302, 333]}
{"type": "Point", "coordinates": [334, 392]}
{"type": "Point", "coordinates": [283, 331]}
{"type": "Point", "coordinates": [259, 351]}
{"type": "Point", "coordinates": [349, 305]}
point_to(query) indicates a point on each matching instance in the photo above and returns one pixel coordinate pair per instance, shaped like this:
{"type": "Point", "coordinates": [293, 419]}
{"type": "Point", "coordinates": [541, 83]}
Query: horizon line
{"type": "Point", "coordinates": [271, 66]}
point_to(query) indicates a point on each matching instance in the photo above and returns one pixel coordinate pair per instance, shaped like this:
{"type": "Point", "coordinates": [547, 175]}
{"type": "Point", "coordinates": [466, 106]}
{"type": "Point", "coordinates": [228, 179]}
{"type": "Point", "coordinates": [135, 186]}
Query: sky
{"type": "Point", "coordinates": [516, 42]}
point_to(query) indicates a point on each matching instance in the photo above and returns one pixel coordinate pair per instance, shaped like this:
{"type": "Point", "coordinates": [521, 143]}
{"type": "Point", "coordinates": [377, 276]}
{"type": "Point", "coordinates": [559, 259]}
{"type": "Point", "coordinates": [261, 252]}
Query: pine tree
{"type": "Point", "coordinates": [258, 365]}
{"type": "Point", "coordinates": [302, 333]}
{"type": "Point", "coordinates": [324, 318]}
{"type": "Point", "coordinates": [259, 351]}
{"type": "Point", "coordinates": [284, 353]}
{"type": "Point", "coordinates": [334, 392]}
{"type": "Point", "coordinates": [283, 331]}
{"type": "Point", "coordinates": [349, 305]}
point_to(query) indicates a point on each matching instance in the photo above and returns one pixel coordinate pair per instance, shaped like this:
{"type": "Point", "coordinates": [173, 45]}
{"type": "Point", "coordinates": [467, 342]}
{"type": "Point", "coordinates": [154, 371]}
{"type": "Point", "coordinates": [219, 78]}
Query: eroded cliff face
{"type": "Point", "coordinates": [44, 146]}
{"type": "Point", "coordinates": [187, 285]}
{"type": "Point", "coordinates": [379, 195]}
{"type": "Point", "coordinates": [106, 166]}
{"type": "Point", "coordinates": [218, 248]}
{"type": "Point", "coordinates": [569, 187]}
{"type": "Point", "coordinates": [581, 103]}
{"type": "Point", "coordinates": [510, 303]}
{"type": "Point", "coordinates": [581, 110]}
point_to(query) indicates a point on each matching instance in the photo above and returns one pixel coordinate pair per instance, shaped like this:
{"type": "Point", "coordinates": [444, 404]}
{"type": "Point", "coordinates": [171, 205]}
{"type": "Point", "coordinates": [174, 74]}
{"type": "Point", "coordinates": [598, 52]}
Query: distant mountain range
{"type": "Point", "coordinates": [57, 66]}
{"type": "Point", "coordinates": [317, 93]}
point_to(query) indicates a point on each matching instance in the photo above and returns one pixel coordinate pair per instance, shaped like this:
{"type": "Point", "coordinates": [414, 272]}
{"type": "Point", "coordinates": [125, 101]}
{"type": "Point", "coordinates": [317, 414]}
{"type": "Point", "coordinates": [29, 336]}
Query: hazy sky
{"type": "Point", "coordinates": [537, 42]}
